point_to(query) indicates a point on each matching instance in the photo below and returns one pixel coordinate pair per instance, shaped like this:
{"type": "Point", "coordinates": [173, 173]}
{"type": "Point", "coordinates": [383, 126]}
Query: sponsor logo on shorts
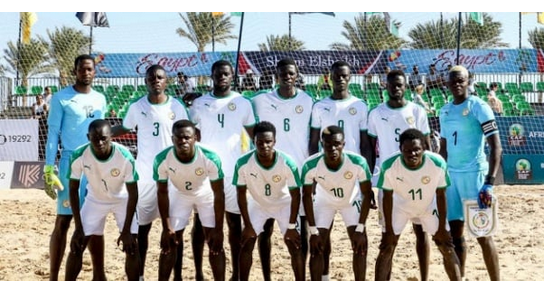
{"type": "Point", "coordinates": [299, 109]}
{"type": "Point", "coordinates": [348, 175]}
{"type": "Point", "coordinates": [66, 203]}
{"type": "Point", "coordinates": [199, 171]}
{"type": "Point", "coordinates": [352, 111]}
{"type": "Point", "coordinates": [115, 172]}
{"type": "Point", "coordinates": [425, 179]}
{"type": "Point", "coordinates": [276, 178]}
{"type": "Point", "coordinates": [232, 106]}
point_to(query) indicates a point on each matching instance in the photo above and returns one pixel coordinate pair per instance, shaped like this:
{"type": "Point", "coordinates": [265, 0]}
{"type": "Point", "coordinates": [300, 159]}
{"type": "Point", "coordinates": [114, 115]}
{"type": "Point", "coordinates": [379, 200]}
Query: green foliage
{"type": "Point", "coordinates": [29, 59]}
{"type": "Point", "coordinates": [199, 29]}
{"type": "Point", "coordinates": [536, 38]}
{"type": "Point", "coordinates": [281, 43]}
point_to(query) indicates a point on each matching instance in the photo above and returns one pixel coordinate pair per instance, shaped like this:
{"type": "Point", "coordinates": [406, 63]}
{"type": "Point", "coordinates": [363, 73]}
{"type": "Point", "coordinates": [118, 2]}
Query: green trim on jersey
{"type": "Point", "coordinates": [309, 165]}
{"type": "Point", "coordinates": [293, 167]}
{"type": "Point", "coordinates": [253, 111]}
{"type": "Point", "coordinates": [215, 159]}
{"type": "Point", "coordinates": [441, 163]}
{"type": "Point", "coordinates": [158, 160]}
{"type": "Point", "coordinates": [76, 154]}
{"type": "Point", "coordinates": [127, 155]}
{"type": "Point", "coordinates": [386, 165]}
{"type": "Point", "coordinates": [239, 163]}
{"type": "Point", "coordinates": [360, 161]}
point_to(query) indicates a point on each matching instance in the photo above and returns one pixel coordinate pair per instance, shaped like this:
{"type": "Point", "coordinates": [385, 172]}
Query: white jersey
{"type": "Point", "coordinates": [414, 191]}
{"type": "Point", "coordinates": [386, 124]}
{"type": "Point", "coordinates": [105, 178]}
{"type": "Point", "coordinates": [291, 117]}
{"type": "Point", "coordinates": [190, 179]}
{"type": "Point", "coordinates": [341, 186]}
{"type": "Point", "coordinates": [154, 123]}
{"type": "Point", "coordinates": [221, 121]}
{"type": "Point", "coordinates": [350, 114]}
{"type": "Point", "coordinates": [269, 187]}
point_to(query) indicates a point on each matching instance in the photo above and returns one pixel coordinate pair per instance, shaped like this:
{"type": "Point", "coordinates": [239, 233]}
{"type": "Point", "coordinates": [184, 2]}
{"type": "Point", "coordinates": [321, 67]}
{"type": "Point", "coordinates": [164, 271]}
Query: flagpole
{"type": "Point", "coordinates": [289, 32]}
{"type": "Point", "coordinates": [442, 30]}
{"type": "Point", "coordinates": [213, 33]}
{"type": "Point", "coordinates": [458, 38]}
{"type": "Point", "coordinates": [520, 30]}
{"type": "Point", "coordinates": [91, 41]}
{"type": "Point", "coordinates": [19, 48]}
{"type": "Point", "coordinates": [364, 31]}
{"type": "Point", "coordinates": [238, 51]}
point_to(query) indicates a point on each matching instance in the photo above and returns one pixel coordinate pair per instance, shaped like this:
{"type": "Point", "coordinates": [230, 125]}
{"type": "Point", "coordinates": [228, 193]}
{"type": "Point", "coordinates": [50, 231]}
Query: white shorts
{"type": "Point", "coordinates": [324, 212]}
{"type": "Point", "coordinates": [148, 206]}
{"type": "Point", "coordinates": [259, 215]}
{"type": "Point", "coordinates": [428, 221]}
{"type": "Point", "coordinates": [231, 197]}
{"type": "Point", "coordinates": [93, 216]}
{"type": "Point", "coordinates": [181, 207]}
{"type": "Point", "coordinates": [381, 217]}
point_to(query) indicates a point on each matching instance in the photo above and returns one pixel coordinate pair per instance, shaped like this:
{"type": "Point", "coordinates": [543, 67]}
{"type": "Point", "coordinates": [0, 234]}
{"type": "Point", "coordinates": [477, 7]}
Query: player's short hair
{"type": "Point", "coordinates": [339, 64]}
{"type": "Point", "coordinates": [154, 68]}
{"type": "Point", "coordinates": [221, 63]}
{"type": "Point", "coordinates": [286, 62]}
{"type": "Point", "coordinates": [263, 127]}
{"type": "Point", "coordinates": [332, 130]}
{"type": "Point", "coordinates": [411, 134]}
{"type": "Point", "coordinates": [183, 123]}
{"type": "Point", "coordinates": [81, 58]}
{"type": "Point", "coordinates": [394, 73]}
{"type": "Point", "coordinates": [459, 69]}
{"type": "Point", "coordinates": [97, 124]}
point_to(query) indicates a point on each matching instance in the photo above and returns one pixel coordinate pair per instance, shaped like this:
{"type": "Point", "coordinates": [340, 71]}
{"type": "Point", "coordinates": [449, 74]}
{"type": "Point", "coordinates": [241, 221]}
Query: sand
{"type": "Point", "coordinates": [28, 217]}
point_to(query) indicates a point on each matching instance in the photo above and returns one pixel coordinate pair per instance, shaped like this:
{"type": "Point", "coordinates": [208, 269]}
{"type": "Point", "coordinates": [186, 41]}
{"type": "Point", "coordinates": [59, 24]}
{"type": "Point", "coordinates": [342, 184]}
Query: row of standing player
{"type": "Point", "coordinates": [223, 110]}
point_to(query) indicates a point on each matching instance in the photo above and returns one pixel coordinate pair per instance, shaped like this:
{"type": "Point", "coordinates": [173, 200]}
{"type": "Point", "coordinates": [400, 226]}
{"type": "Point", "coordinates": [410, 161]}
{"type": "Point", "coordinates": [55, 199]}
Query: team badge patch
{"type": "Point", "coordinates": [425, 179]}
{"type": "Point", "coordinates": [199, 171]}
{"type": "Point", "coordinates": [276, 178]}
{"type": "Point", "coordinates": [348, 175]}
{"type": "Point", "coordinates": [66, 203]}
{"type": "Point", "coordinates": [299, 109]}
{"type": "Point", "coordinates": [465, 112]}
{"type": "Point", "coordinates": [115, 172]}
{"type": "Point", "coordinates": [171, 115]}
{"type": "Point", "coordinates": [232, 106]}
{"type": "Point", "coordinates": [410, 120]}
{"type": "Point", "coordinates": [352, 111]}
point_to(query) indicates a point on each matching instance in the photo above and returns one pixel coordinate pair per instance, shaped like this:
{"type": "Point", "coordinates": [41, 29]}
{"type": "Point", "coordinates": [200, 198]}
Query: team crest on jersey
{"type": "Point", "coordinates": [352, 111]}
{"type": "Point", "coordinates": [66, 203]}
{"type": "Point", "coordinates": [410, 120]}
{"type": "Point", "coordinates": [425, 179]}
{"type": "Point", "coordinates": [199, 171]}
{"type": "Point", "coordinates": [232, 106]}
{"type": "Point", "coordinates": [299, 109]}
{"type": "Point", "coordinates": [348, 175]}
{"type": "Point", "coordinates": [171, 115]}
{"type": "Point", "coordinates": [115, 172]}
{"type": "Point", "coordinates": [465, 112]}
{"type": "Point", "coordinates": [276, 178]}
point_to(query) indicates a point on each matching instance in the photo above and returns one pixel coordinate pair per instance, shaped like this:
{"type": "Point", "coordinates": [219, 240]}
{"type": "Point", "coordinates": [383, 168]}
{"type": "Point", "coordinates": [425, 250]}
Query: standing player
{"type": "Point", "coordinates": [345, 111]}
{"type": "Point", "coordinates": [288, 109]}
{"type": "Point", "coordinates": [385, 123]}
{"type": "Point", "coordinates": [340, 178]}
{"type": "Point", "coordinates": [465, 124]}
{"type": "Point", "coordinates": [71, 112]}
{"type": "Point", "coordinates": [196, 183]}
{"type": "Point", "coordinates": [272, 179]}
{"type": "Point", "coordinates": [109, 168]}
{"type": "Point", "coordinates": [153, 115]}
{"type": "Point", "coordinates": [221, 116]}
{"type": "Point", "coordinates": [414, 183]}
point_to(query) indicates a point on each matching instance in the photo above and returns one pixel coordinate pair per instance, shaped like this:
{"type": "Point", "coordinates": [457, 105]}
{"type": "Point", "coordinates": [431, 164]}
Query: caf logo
{"type": "Point", "coordinates": [115, 172]}
{"type": "Point", "coordinates": [172, 115]}
{"type": "Point", "coordinates": [465, 112]}
{"type": "Point", "coordinates": [410, 120]}
{"type": "Point", "coordinates": [425, 179]}
{"type": "Point", "coordinates": [199, 171]}
{"type": "Point", "coordinates": [352, 111]}
{"type": "Point", "coordinates": [480, 220]}
{"type": "Point", "coordinates": [516, 130]}
{"type": "Point", "coordinates": [276, 178]}
{"type": "Point", "coordinates": [299, 109]}
{"type": "Point", "coordinates": [348, 175]}
{"type": "Point", "coordinates": [232, 106]}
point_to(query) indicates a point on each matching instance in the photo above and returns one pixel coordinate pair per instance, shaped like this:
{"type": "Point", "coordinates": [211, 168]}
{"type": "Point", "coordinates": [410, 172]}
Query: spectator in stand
{"type": "Point", "coordinates": [47, 94]}
{"type": "Point", "coordinates": [299, 83]}
{"type": "Point", "coordinates": [418, 98]}
{"type": "Point", "coordinates": [267, 81]}
{"type": "Point", "coordinates": [185, 84]}
{"type": "Point", "coordinates": [471, 84]}
{"type": "Point", "coordinates": [383, 78]}
{"type": "Point", "coordinates": [416, 78]}
{"type": "Point", "coordinates": [433, 80]}
{"type": "Point", "coordinates": [248, 83]}
{"type": "Point", "coordinates": [445, 77]}
{"type": "Point", "coordinates": [493, 101]}
{"type": "Point", "coordinates": [40, 109]}
{"type": "Point", "coordinates": [324, 82]}
{"type": "Point", "coordinates": [112, 113]}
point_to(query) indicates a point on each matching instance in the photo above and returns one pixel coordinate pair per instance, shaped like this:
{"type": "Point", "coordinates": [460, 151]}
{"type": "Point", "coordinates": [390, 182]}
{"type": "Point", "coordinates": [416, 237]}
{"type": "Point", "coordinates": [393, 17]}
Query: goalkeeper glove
{"type": "Point", "coordinates": [52, 182]}
{"type": "Point", "coordinates": [485, 197]}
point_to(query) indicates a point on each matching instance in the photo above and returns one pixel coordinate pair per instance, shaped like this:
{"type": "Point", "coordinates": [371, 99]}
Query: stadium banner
{"type": "Point", "coordinates": [523, 168]}
{"type": "Point", "coordinates": [475, 60]}
{"type": "Point", "coordinates": [19, 140]}
{"type": "Point", "coordinates": [6, 171]}
{"type": "Point", "coordinates": [28, 175]}
{"type": "Point", "coordinates": [521, 135]}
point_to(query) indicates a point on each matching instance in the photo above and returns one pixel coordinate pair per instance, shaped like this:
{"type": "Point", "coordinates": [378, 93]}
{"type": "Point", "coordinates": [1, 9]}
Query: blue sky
{"type": "Point", "coordinates": [155, 32]}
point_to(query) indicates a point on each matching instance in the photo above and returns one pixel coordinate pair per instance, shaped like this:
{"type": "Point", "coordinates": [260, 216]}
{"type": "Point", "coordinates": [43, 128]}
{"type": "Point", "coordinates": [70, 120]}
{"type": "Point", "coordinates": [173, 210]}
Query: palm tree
{"type": "Point", "coordinates": [27, 59]}
{"type": "Point", "coordinates": [431, 35]}
{"type": "Point", "coordinates": [199, 29]}
{"type": "Point", "coordinates": [66, 43]}
{"type": "Point", "coordinates": [536, 38]}
{"type": "Point", "coordinates": [281, 43]}
{"type": "Point", "coordinates": [368, 34]}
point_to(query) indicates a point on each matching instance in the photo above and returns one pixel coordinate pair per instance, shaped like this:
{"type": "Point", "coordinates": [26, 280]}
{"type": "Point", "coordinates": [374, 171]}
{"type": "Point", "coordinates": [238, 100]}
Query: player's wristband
{"type": "Point", "coordinates": [292, 226]}
{"type": "Point", "coordinates": [360, 228]}
{"type": "Point", "coordinates": [313, 230]}
{"type": "Point", "coordinates": [489, 180]}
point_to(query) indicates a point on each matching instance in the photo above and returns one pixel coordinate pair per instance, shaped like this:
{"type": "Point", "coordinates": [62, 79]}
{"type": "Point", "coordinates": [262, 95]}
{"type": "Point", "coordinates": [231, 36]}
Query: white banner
{"type": "Point", "coordinates": [19, 140]}
{"type": "Point", "coordinates": [481, 222]}
{"type": "Point", "coordinates": [6, 171]}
